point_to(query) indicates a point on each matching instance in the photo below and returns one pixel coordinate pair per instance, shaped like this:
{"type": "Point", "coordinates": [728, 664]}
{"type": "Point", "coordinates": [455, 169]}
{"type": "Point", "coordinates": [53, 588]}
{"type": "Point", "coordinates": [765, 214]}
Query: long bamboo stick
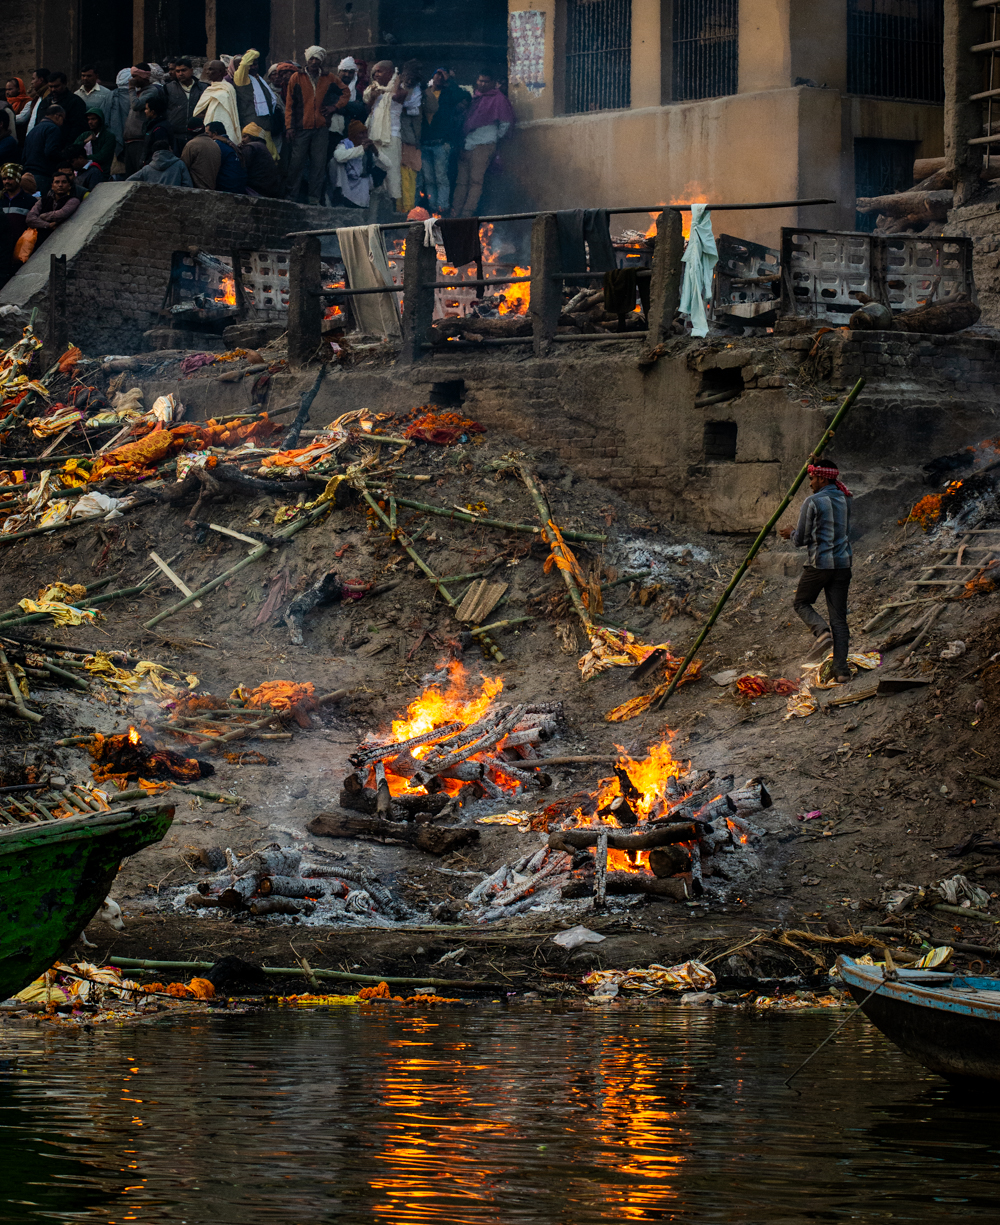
{"type": "Point", "coordinates": [546, 515]}
{"type": "Point", "coordinates": [404, 542]}
{"type": "Point", "coordinates": [15, 691]}
{"type": "Point", "coordinates": [16, 611]}
{"type": "Point", "coordinates": [132, 963]}
{"type": "Point", "coordinates": [250, 558]}
{"type": "Point", "coordinates": [28, 618]}
{"type": "Point", "coordinates": [447, 512]}
{"type": "Point", "coordinates": [852, 395]}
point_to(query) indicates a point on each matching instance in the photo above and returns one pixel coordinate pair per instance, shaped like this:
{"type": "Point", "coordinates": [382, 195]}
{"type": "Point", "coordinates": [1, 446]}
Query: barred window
{"type": "Point", "coordinates": [895, 49]}
{"type": "Point", "coordinates": [706, 48]}
{"type": "Point", "coordinates": [598, 55]}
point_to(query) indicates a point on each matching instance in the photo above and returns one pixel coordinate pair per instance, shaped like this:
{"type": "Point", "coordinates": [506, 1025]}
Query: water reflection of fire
{"type": "Point", "coordinates": [228, 291]}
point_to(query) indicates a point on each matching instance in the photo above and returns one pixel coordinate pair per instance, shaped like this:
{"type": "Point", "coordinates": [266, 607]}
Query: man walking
{"type": "Point", "coordinates": [312, 98]}
{"type": "Point", "coordinates": [824, 528]}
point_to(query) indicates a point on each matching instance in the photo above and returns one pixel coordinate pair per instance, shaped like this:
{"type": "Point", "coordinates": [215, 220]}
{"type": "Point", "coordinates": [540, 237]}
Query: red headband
{"type": "Point", "coordinates": [830, 473]}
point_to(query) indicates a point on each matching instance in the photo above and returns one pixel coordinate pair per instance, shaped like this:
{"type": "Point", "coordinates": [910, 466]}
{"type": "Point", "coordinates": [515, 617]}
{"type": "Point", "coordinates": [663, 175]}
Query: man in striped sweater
{"type": "Point", "coordinates": [824, 529]}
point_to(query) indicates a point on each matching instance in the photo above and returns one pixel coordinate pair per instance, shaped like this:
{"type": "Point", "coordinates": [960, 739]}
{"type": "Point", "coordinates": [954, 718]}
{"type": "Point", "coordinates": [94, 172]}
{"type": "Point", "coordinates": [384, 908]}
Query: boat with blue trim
{"type": "Point", "coordinates": [948, 1021]}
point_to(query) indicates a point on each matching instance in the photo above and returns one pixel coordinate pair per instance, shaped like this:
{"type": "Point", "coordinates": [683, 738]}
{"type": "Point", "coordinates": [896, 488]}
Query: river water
{"type": "Point", "coordinates": [485, 1117]}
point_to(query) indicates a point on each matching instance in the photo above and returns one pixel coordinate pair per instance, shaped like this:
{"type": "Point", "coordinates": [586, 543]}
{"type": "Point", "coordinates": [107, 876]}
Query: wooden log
{"type": "Point", "coordinates": [280, 905]}
{"type": "Point", "coordinates": [645, 882]}
{"type": "Point", "coordinates": [654, 834]}
{"type": "Point", "coordinates": [940, 318]}
{"type": "Point", "coordinates": [434, 840]}
{"type": "Point", "coordinates": [601, 868]}
{"type": "Point", "coordinates": [545, 514]}
{"type": "Point", "coordinates": [383, 799]}
{"type": "Point", "coordinates": [368, 753]}
{"type": "Point", "coordinates": [665, 861]}
{"type": "Point", "coordinates": [932, 205]}
{"type": "Point", "coordinates": [289, 886]}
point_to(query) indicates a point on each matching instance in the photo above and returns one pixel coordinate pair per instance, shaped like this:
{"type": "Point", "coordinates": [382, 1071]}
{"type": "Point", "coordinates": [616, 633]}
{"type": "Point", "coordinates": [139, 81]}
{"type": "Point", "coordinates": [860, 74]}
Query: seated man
{"type": "Point", "coordinates": [86, 171]}
{"type": "Point", "coordinates": [232, 174]}
{"type": "Point", "coordinates": [53, 207]}
{"type": "Point", "coordinates": [263, 175]}
{"type": "Point", "coordinates": [164, 167]}
{"type": "Point", "coordinates": [355, 163]}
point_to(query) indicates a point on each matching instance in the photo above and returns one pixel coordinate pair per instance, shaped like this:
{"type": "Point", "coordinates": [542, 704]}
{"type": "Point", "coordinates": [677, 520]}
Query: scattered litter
{"type": "Point", "coordinates": [577, 936]}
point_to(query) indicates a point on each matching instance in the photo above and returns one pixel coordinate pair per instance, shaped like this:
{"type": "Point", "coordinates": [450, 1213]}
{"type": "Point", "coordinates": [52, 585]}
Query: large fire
{"type": "Point", "coordinates": [460, 702]}
{"type": "Point", "coordinates": [228, 294]}
{"type": "Point", "coordinates": [515, 297]}
{"type": "Point", "coordinates": [693, 193]}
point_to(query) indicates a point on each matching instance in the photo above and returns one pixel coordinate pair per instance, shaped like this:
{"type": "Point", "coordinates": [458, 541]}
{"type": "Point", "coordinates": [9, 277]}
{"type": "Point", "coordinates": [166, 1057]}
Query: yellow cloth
{"type": "Point", "coordinates": [52, 600]}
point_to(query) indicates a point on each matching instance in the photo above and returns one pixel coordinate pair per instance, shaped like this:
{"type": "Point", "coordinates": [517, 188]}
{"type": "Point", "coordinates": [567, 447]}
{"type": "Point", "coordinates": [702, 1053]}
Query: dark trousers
{"type": "Point", "coordinates": [309, 153]}
{"type": "Point", "coordinates": [836, 584]}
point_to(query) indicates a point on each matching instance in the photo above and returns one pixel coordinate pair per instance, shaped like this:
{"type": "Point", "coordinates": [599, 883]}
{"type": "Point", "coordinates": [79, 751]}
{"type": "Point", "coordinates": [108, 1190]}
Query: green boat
{"type": "Point", "coordinates": [54, 877]}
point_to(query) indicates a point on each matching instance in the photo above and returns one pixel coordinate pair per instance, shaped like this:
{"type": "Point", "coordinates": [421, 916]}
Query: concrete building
{"type": "Point", "coordinates": [665, 101]}
{"type": "Point", "coordinates": [112, 34]}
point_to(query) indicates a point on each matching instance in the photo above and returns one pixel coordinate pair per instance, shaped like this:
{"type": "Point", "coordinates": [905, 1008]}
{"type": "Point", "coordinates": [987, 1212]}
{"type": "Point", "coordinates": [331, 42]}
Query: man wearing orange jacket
{"type": "Point", "coordinates": [313, 96]}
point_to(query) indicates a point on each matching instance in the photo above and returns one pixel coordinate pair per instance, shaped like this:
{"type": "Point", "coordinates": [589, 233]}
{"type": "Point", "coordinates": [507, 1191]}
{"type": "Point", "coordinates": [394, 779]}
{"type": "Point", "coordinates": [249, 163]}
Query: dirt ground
{"type": "Point", "coordinates": [893, 777]}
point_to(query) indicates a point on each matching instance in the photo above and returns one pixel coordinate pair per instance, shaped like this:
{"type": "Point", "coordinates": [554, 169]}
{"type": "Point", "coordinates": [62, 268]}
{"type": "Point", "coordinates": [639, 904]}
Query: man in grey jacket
{"type": "Point", "coordinates": [183, 93]}
{"type": "Point", "coordinates": [824, 528]}
{"type": "Point", "coordinates": [165, 168]}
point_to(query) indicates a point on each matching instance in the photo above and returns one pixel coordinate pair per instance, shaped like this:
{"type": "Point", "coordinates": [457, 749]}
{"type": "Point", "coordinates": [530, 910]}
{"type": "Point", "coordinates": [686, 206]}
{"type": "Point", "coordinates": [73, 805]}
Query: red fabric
{"type": "Point", "coordinates": [830, 472]}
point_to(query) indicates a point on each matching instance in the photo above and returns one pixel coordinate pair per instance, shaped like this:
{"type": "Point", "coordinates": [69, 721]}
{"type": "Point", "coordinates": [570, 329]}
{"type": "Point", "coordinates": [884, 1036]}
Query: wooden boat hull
{"type": "Point", "coordinates": [949, 1023]}
{"type": "Point", "coordinates": [55, 875]}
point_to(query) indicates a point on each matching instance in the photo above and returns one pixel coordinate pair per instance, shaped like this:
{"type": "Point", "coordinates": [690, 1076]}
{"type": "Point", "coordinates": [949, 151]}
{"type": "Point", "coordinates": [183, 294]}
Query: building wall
{"type": "Point", "coordinates": [772, 140]}
{"type": "Point", "coordinates": [119, 245]}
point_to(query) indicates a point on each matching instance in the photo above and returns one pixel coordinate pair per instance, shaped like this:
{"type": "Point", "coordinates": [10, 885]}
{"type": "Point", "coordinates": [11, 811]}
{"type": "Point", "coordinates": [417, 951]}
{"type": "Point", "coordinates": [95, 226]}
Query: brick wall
{"type": "Point", "coordinates": [19, 41]}
{"type": "Point", "coordinates": [119, 247]}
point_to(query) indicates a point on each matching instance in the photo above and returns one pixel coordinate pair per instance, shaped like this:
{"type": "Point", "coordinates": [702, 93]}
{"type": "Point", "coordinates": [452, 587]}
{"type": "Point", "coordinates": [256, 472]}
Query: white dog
{"type": "Point", "coordinates": [110, 913]}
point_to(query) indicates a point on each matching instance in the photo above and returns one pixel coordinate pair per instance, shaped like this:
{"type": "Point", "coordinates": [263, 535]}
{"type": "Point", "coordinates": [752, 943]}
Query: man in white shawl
{"type": "Point", "coordinates": [387, 95]}
{"type": "Point", "coordinates": [218, 103]}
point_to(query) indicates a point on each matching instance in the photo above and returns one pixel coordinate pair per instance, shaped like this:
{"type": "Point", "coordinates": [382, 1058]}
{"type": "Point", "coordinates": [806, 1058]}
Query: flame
{"type": "Point", "coordinates": [228, 295]}
{"type": "Point", "coordinates": [458, 702]}
{"type": "Point", "coordinates": [133, 736]}
{"type": "Point", "coordinates": [516, 298]}
{"type": "Point", "coordinates": [928, 510]}
{"type": "Point", "coordinates": [693, 193]}
{"type": "Point", "coordinates": [649, 777]}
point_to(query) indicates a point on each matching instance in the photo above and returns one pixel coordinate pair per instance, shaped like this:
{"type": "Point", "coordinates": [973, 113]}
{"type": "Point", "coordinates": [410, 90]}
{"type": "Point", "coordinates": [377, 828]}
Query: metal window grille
{"type": "Point", "coordinates": [706, 48]}
{"type": "Point", "coordinates": [895, 49]}
{"type": "Point", "coordinates": [598, 55]}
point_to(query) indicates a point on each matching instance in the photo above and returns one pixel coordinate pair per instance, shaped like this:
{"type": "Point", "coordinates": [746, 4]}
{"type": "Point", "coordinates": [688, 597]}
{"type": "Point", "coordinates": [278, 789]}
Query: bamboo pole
{"type": "Point", "coordinates": [447, 512]}
{"type": "Point", "coordinates": [546, 516]}
{"type": "Point", "coordinates": [659, 703]}
{"type": "Point", "coordinates": [404, 542]}
{"type": "Point", "coordinates": [132, 963]}
{"type": "Point", "coordinates": [17, 611]}
{"type": "Point", "coordinates": [29, 618]}
{"type": "Point", "coordinates": [256, 555]}
{"type": "Point", "coordinates": [15, 691]}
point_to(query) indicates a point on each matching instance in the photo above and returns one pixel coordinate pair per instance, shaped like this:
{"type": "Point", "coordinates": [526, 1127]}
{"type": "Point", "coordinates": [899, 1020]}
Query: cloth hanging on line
{"type": "Point", "coordinates": [363, 252]}
{"type": "Point", "coordinates": [699, 259]}
{"type": "Point", "coordinates": [460, 236]}
{"type": "Point", "coordinates": [620, 289]}
{"type": "Point", "coordinates": [580, 229]}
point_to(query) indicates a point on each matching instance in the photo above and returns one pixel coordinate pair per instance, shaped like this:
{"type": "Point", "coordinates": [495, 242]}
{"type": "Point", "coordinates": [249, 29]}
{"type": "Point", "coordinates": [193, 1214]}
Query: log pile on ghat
{"type": "Point", "coordinates": [274, 881]}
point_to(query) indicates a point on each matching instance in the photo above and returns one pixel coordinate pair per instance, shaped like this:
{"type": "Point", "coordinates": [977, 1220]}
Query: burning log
{"type": "Point", "coordinates": [645, 882]}
{"type": "Point", "coordinates": [669, 860]}
{"type": "Point", "coordinates": [367, 753]}
{"type": "Point", "coordinates": [750, 799]}
{"type": "Point", "coordinates": [653, 834]}
{"type": "Point", "coordinates": [402, 808]}
{"type": "Point", "coordinates": [429, 838]}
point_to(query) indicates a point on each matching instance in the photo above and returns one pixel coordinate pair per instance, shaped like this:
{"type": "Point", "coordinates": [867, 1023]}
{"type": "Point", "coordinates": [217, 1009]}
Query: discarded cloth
{"type": "Point", "coordinates": [442, 428]}
{"type": "Point", "coordinates": [754, 685]}
{"type": "Point", "coordinates": [280, 695]}
{"type": "Point", "coordinates": [54, 600]}
{"type": "Point", "coordinates": [699, 259]}
{"type": "Point", "coordinates": [687, 976]}
{"type": "Point", "coordinates": [460, 236]}
{"type": "Point", "coordinates": [363, 251]}
{"type": "Point", "coordinates": [194, 361]}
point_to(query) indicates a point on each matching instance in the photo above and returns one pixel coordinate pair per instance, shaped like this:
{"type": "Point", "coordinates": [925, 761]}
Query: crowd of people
{"type": "Point", "coordinates": [302, 131]}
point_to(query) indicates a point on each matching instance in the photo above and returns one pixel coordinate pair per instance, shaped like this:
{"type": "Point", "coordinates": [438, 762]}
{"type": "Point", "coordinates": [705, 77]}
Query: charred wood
{"type": "Point", "coordinates": [646, 882]}
{"type": "Point", "coordinates": [659, 835]}
{"type": "Point", "coordinates": [430, 838]}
